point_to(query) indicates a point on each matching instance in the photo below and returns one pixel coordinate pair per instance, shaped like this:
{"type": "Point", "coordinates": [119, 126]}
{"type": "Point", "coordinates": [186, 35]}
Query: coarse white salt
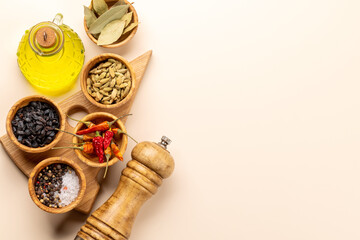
{"type": "Point", "coordinates": [69, 189]}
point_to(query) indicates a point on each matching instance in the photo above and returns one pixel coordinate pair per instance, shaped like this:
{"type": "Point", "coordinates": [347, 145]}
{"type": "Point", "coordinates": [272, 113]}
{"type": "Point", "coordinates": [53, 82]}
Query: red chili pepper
{"type": "Point", "coordinates": [85, 138]}
{"type": "Point", "coordinates": [108, 135]}
{"type": "Point", "coordinates": [86, 148]}
{"type": "Point", "coordinates": [118, 131]}
{"type": "Point", "coordinates": [100, 127]}
{"type": "Point", "coordinates": [98, 143]}
{"type": "Point", "coordinates": [108, 153]}
{"type": "Point", "coordinates": [116, 151]}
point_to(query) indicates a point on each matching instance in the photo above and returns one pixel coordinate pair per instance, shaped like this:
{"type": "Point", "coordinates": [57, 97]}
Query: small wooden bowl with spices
{"type": "Point", "coordinates": [119, 139]}
{"type": "Point", "coordinates": [57, 185]}
{"type": "Point", "coordinates": [31, 123]}
{"type": "Point", "coordinates": [108, 81]}
{"type": "Point", "coordinates": [124, 38]}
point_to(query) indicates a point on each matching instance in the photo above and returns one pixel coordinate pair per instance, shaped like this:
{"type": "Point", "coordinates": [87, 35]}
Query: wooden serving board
{"type": "Point", "coordinates": [27, 161]}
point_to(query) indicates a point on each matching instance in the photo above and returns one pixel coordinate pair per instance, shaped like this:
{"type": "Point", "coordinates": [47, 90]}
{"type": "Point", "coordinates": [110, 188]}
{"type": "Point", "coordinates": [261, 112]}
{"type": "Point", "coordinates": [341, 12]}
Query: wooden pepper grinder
{"type": "Point", "coordinates": [150, 163]}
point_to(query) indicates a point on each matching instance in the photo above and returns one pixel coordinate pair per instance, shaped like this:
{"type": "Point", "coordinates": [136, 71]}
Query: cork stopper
{"type": "Point", "coordinates": [46, 37]}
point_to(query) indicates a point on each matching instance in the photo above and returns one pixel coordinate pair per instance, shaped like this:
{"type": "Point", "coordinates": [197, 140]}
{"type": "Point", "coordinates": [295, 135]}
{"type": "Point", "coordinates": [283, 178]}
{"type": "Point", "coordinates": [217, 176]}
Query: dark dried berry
{"type": "Point", "coordinates": [34, 104]}
{"type": "Point", "coordinates": [33, 125]}
{"type": "Point", "coordinates": [21, 124]}
{"type": "Point", "coordinates": [38, 127]}
{"type": "Point", "coordinates": [48, 140]}
{"type": "Point", "coordinates": [20, 132]}
{"type": "Point", "coordinates": [27, 143]}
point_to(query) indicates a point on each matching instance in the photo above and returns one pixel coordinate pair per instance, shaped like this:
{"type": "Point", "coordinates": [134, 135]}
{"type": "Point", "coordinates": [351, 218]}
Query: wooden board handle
{"type": "Point", "coordinates": [138, 182]}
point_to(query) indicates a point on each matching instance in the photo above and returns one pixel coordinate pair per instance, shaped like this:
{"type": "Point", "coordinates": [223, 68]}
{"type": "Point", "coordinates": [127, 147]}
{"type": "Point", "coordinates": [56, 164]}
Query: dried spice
{"type": "Point", "coordinates": [111, 32]}
{"type": "Point", "coordinates": [34, 125]}
{"type": "Point", "coordinates": [102, 144]}
{"type": "Point", "coordinates": [110, 15]}
{"type": "Point", "coordinates": [99, 6]}
{"type": "Point", "coordinates": [108, 135]}
{"type": "Point", "coordinates": [107, 28]}
{"type": "Point", "coordinates": [109, 82]}
{"type": "Point", "coordinates": [85, 138]}
{"type": "Point", "coordinates": [87, 147]}
{"type": "Point", "coordinates": [116, 151]}
{"type": "Point", "coordinates": [98, 143]}
{"type": "Point", "coordinates": [104, 126]}
{"type": "Point", "coordinates": [89, 16]}
{"type": "Point", "coordinates": [120, 2]}
{"type": "Point", "coordinates": [127, 18]}
{"type": "Point", "coordinates": [57, 185]}
{"type": "Point", "coordinates": [130, 27]}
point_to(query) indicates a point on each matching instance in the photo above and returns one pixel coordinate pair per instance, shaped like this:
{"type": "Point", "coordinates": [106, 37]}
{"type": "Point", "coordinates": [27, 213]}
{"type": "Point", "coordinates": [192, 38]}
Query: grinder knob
{"type": "Point", "coordinates": [164, 141]}
{"type": "Point", "coordinates": [150, 163]}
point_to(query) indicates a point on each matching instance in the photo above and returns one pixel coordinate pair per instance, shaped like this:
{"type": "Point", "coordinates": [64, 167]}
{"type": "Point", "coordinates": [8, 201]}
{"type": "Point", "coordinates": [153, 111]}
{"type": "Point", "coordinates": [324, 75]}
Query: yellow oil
{"type": "Point", "coordinates": [55, 74]}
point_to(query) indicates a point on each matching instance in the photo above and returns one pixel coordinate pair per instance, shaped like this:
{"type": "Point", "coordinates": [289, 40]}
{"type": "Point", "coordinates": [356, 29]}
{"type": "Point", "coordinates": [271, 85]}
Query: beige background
{"type": "Point", "coordinates": [261, 99]}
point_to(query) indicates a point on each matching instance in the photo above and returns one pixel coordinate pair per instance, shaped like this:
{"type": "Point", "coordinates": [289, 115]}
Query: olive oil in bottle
{"type": "Point", "coordinates": [50, 56]}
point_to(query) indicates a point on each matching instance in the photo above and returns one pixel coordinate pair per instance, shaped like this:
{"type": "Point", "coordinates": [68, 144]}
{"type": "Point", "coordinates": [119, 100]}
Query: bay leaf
{"type": "Point", "coordinates": [89, 16]}
{"type": "Point", "coordinates": [111, 32]}
{"type": "Point", "coordinates": [110, 15]}
{"type": "Point", "coordinates": [120, 2]}
{"type": "Point", "coordinates": [127, 18]}
{"type": "Point", "coordinates": [100, 6]}
{"type": "Point", "coordinates": [130, 27]}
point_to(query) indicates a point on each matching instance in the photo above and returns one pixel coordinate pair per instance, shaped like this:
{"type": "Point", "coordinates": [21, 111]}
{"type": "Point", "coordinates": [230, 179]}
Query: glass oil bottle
{"type": "Point", "coordinates": [50, 56]}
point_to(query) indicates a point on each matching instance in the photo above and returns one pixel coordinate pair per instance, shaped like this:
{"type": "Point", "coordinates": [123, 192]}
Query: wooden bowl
{"type": "Point", "coordinates": [124, 38]}
{"type": "Point", "coordinates": [23, 102]}
{"type": "Point", "coordinates": [121, 141]}
{"type": "Point", "coordinates": [92, 63]}
{"type": "Point", "coordinates": [42, 165]}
